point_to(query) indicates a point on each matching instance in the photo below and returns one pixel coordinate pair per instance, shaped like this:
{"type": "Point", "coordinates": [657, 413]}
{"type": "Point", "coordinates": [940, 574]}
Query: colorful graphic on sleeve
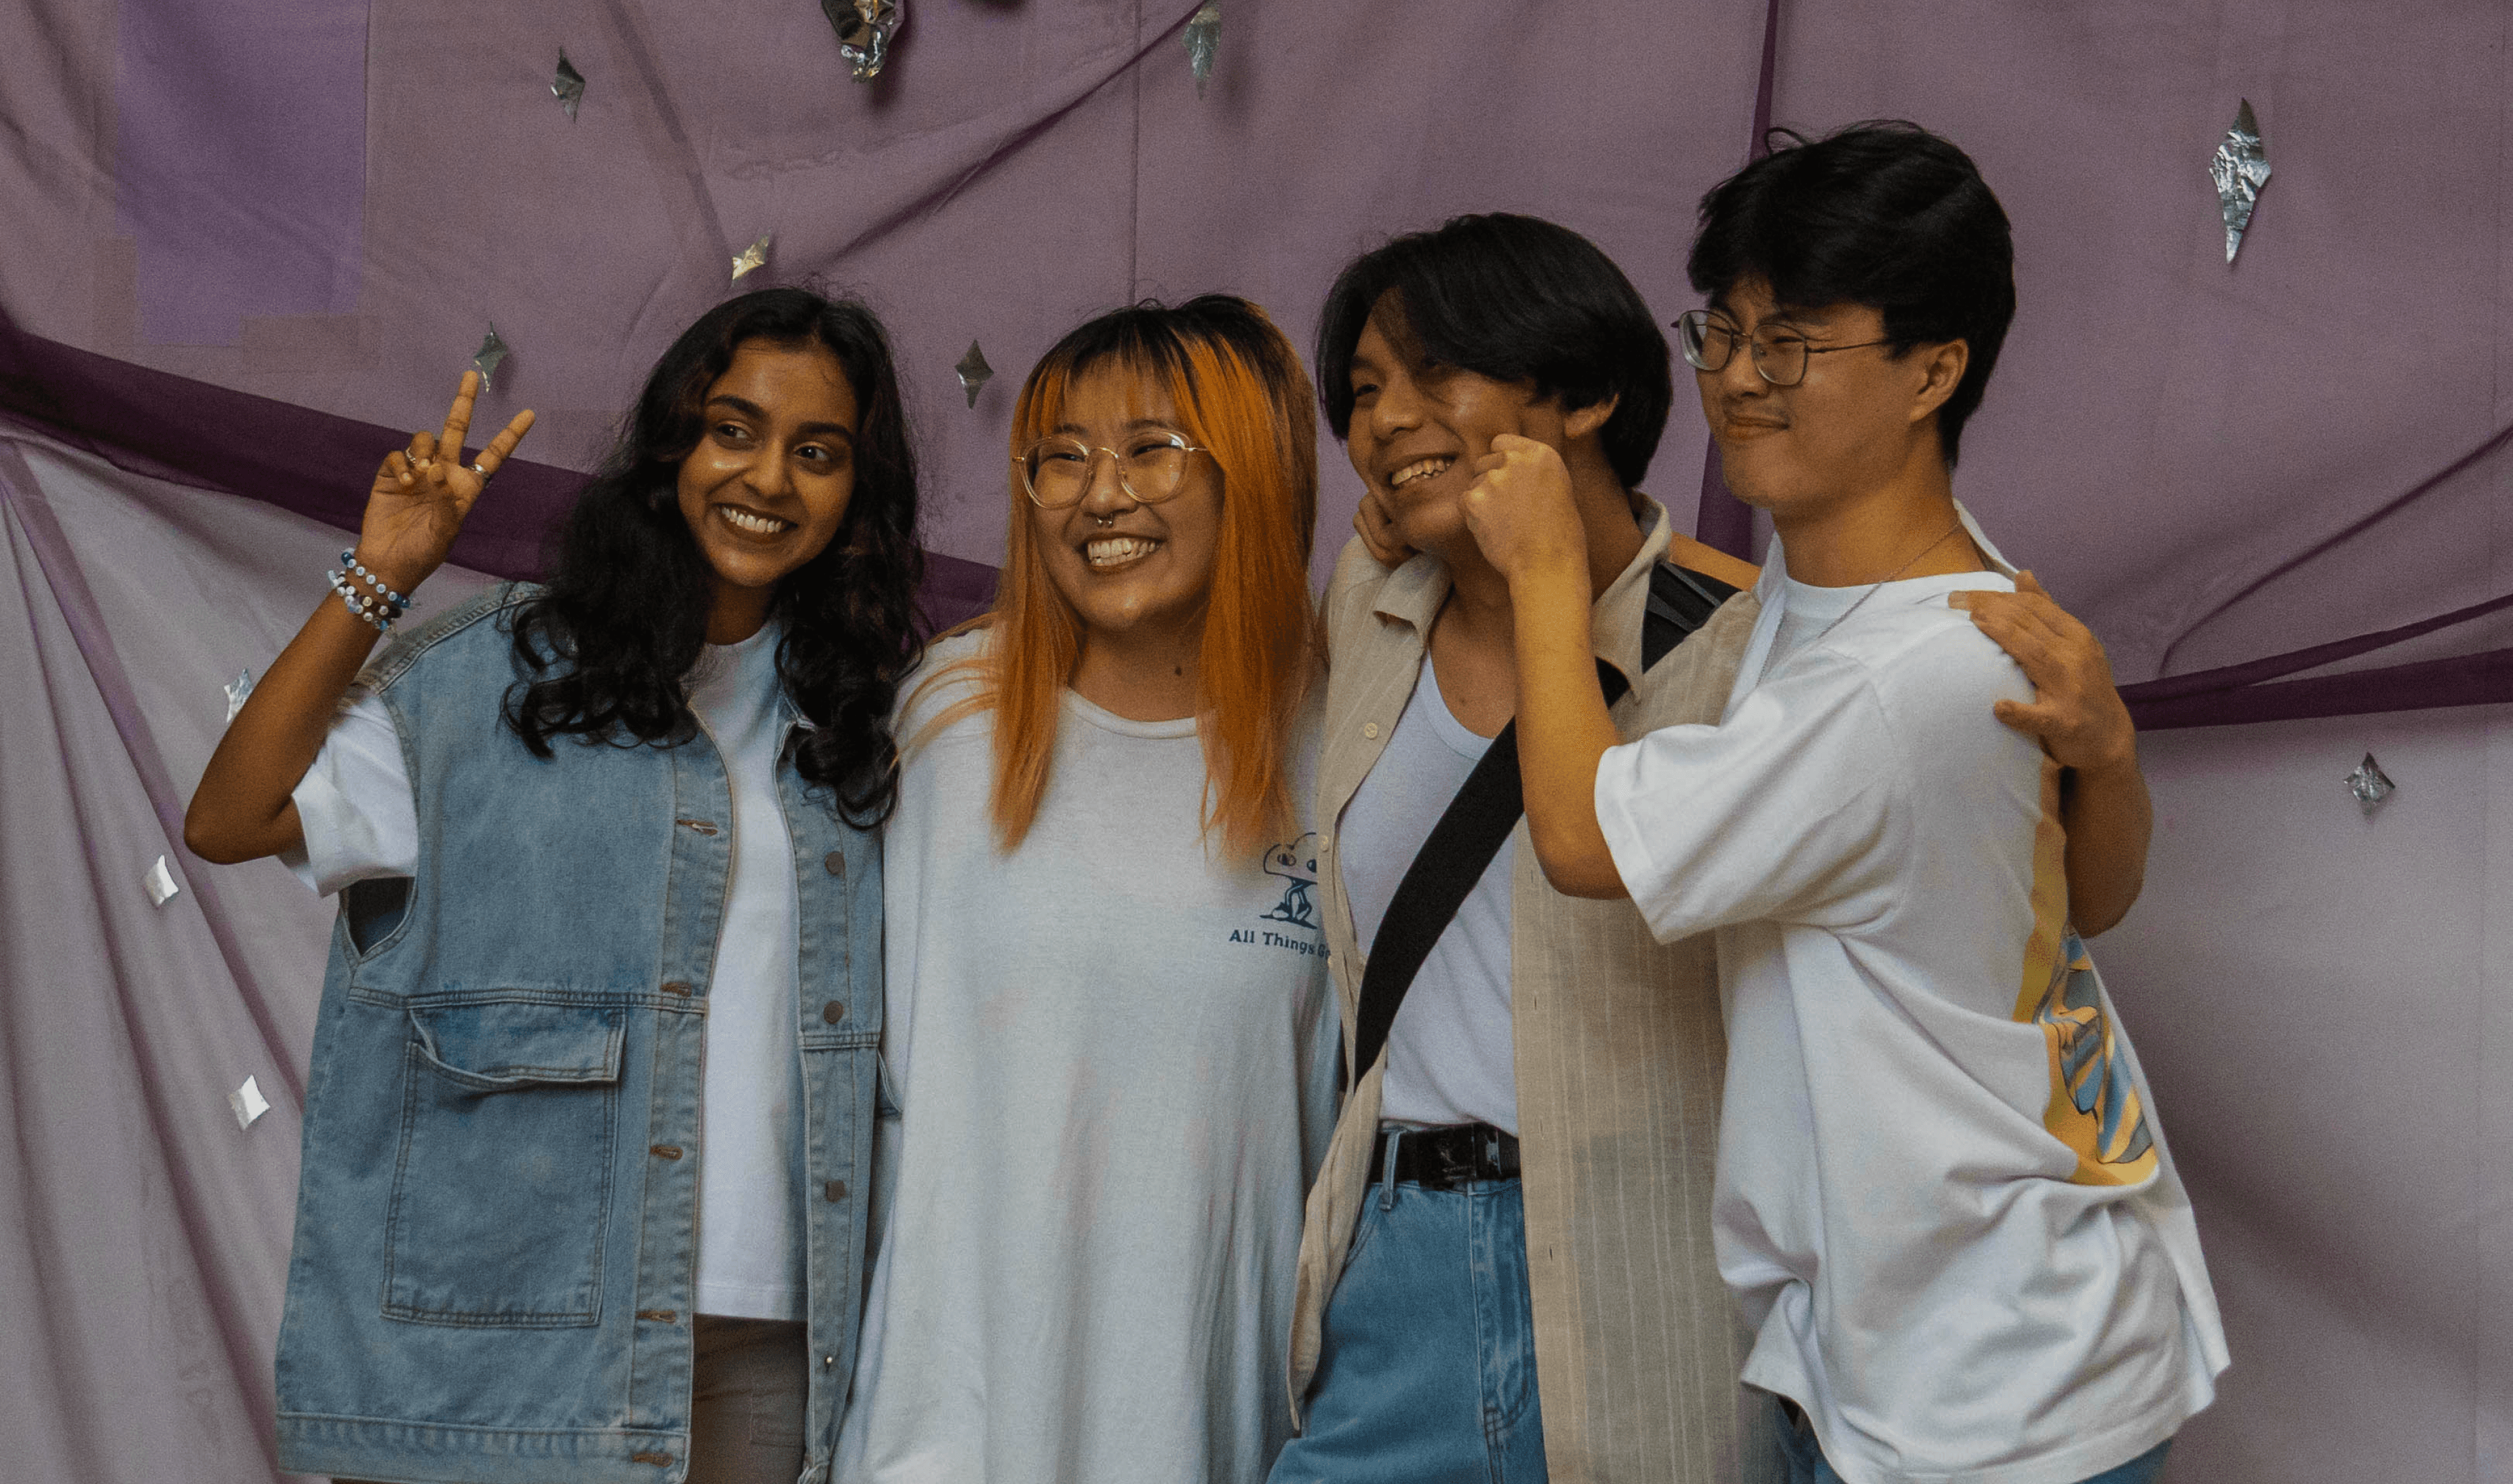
{"type": "Point", "coordinates": [1298, 865]}
{"type": "Point", "coordinates": [2096, 1105]}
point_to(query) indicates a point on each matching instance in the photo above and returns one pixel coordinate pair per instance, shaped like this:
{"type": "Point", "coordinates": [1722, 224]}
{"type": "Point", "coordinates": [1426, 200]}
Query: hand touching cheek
{"type": "Point", "coordinates": [1520, 511]}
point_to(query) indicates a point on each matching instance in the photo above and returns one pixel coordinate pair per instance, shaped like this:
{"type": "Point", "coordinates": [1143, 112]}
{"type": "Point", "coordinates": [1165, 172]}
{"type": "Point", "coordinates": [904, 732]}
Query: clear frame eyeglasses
{"type": "Point", "coordinates": [1151, 468]}
{"type": "Point", "coordinates": [1709, 342]}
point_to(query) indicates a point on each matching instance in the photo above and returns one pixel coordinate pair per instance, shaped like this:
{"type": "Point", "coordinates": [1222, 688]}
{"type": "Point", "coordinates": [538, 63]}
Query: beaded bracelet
{"type": "Point", "coordinates": [375, 611]}
{"type": "Point", "coordinates": [349, 560]}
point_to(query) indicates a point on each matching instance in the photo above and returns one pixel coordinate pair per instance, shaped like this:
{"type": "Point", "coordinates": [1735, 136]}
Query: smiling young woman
{"type": "Point", "coordinates": [586, 1125]}
{"type": "Point", "coordinates": [1110, 1041]}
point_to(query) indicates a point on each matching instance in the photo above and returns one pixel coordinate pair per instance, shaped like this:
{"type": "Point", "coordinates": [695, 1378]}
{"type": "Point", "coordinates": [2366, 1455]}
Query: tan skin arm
{"type": "Point", "coordinates": [2077, 713]}
{"type": "Point", "coordinates": [242, 808]}
{"type": "Point", "coordinates": [2078, 716]}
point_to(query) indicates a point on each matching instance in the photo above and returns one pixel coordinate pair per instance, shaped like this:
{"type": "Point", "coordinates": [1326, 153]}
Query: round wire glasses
{"type": "Point", "coordinates": [1151, 466]}
{"type": "Point", "coordinates": [1709, 342]}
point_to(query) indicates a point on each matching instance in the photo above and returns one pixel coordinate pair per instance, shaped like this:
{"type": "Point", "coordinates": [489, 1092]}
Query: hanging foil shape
{"type": "Point", "coordinates": [865, 30]}
{"type": "Point", "coordinates": [489, 357]}
{"type": "Point", "coordinates": [974, 372]}
{"type": "Point", "coordinates": [160, 883]}
{"type": "Point", "coordinates": [2370, 783]}
{"type": "Point", "coordinates": [753, 257]}
{"type": "Point", "coordinates": [249, 1103]}
{"type": "Point", "coordinates": [237, 690]}
{"type": "Point", "coordinates": [2240, 169]}
{"type": "Point", "coordinates": [1203, 34]}
{"type": "Point", "coordinates": [567, 85]}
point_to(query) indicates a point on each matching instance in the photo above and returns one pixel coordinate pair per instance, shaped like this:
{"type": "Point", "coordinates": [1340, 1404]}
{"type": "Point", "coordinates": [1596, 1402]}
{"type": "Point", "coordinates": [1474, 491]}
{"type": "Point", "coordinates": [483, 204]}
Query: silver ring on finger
{"type": "Point", "coordinates": [476, 470]}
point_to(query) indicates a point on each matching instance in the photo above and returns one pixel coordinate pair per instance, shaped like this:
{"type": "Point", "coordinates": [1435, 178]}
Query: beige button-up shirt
{"type": "Point", "coordinates": [1619, 1053]}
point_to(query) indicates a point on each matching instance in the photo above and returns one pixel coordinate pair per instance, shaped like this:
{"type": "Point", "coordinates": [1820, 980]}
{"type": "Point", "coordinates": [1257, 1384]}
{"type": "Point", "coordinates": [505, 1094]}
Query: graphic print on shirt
{"type": "Point", "coordinates": [2092, 1091]}
{"type": "Point", "coordinates": [1298, 865]}
{"type": "Point", "coordinates": [2096, 1107]}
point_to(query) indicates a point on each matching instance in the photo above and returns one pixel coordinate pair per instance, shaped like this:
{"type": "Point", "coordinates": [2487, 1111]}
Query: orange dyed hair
{"type": "Point", "coordinates": [1241, 394]}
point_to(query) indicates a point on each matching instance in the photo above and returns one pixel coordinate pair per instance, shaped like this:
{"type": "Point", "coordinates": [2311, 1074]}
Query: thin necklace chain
{"type": "Point", "coordinates": [1880, 583]}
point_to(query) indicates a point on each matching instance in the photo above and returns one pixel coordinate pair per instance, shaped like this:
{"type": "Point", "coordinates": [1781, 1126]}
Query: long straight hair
{"type": "Point", "coordinates": [1241, 394]}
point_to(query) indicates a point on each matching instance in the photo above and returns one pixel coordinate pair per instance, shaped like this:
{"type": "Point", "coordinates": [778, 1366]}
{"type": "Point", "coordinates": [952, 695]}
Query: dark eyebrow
{"type": "Point", "coordinates": [758, 414]}
{"type": "Point", "coordinates": [1782, 316]}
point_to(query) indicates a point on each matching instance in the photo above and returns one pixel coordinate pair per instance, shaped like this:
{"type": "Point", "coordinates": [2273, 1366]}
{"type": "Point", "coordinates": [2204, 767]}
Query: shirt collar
{"type": "Point", "coordinates": [1413, 592]}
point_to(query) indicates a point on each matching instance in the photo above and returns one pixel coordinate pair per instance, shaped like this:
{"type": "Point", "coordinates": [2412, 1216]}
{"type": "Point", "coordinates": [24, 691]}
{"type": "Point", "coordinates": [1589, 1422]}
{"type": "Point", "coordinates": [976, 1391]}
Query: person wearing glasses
{"type": "Point", "coordinates": [1944, 1201]}
{"type": "Point", "coordinates": [1111, 1046]}
{"type": "Point", "coordinates": [1508, 1269]}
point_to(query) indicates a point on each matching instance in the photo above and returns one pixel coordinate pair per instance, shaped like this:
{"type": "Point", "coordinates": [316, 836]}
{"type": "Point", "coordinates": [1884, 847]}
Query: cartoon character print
{"type": "Point", "coordinates": [1298, 865]}
{"type": "Point", "coordinates": [2096, 1108]}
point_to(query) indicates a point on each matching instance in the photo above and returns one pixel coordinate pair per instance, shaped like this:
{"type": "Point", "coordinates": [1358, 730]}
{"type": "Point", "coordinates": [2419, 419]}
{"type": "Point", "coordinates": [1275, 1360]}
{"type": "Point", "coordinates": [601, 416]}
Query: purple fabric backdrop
{"type": "Point", "coordinates": [244, 245]}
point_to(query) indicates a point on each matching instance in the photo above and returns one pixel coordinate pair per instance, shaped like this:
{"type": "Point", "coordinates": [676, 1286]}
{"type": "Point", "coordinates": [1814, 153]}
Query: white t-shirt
{"type": "Point", "coordinates": [1943, 1198]}
{"type": "Point", "coordinates": [1115, 1059]}
{"type": "Point", "coordinates": [360, 822]}
{"type": "Point", "coordinates": [1449, 1052]}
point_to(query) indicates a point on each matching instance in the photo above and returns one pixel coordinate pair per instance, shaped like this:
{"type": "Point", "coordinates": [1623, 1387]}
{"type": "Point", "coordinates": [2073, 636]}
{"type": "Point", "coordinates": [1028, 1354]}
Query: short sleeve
{"type": "Point", "coordinates": [355, 805]}
{"type": "Point", "coordinates": [1785, 812]}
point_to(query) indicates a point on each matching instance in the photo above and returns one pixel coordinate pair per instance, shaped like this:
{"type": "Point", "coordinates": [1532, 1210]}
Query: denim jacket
{"type": "Point", "coordinates": [497, 1223]}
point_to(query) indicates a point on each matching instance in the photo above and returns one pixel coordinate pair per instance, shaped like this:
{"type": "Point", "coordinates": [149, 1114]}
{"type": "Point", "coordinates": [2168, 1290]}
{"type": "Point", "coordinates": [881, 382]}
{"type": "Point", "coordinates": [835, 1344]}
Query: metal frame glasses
{"type": "Point", "coordinates": [1056, 470]}
{"type": "Point", "coordinates": [1709, 342]}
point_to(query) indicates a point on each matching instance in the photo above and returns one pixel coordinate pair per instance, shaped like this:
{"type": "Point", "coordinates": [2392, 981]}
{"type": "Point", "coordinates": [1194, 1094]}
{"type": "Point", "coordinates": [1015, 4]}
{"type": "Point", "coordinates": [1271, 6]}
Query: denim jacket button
{"type": "Point", "coordinates": [836, 861]}
{"type": "Point", "coordinates": [833, 1012]}
{"type": "Point", "coordinates": [834, 1190]}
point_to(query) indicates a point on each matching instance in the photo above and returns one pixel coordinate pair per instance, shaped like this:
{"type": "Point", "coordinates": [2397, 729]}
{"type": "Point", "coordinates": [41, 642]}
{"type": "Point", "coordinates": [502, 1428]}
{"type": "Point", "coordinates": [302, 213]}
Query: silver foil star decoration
{"type": "Point", "coordinates": [2240, 169]}
{"type": "Point", "coordinates": [489, 357]}
{"type": "Point", "coordinates": [248, 1103]}
{"type": "Point", "coordinates": [159, 882]}
{"type": "Point", "coordinates": [866, 28]}
{"type": "Point", "coordinates": [974, 372]}
{"type": "Point", "coordinates": [1203, 34]}
{"type": "Point", "coordinates": [2370, 783]}
{"type": "Point", "coordinates": [237, 690]}
{"type": "Point", "coordinates": [753, 257]}
{"type": "Point", "coordinates": [567, 85]}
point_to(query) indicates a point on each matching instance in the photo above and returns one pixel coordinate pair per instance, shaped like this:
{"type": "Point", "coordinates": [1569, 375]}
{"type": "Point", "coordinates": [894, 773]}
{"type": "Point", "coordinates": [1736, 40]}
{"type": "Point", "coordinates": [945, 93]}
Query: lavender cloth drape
{"type": "Point", "coordinates": [199, 303]}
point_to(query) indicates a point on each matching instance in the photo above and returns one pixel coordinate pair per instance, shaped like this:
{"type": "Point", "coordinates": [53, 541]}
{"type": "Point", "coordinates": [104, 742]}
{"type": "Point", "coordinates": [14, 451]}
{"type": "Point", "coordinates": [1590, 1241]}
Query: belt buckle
{"type": "Point", "coordinates": [1461, 1158]}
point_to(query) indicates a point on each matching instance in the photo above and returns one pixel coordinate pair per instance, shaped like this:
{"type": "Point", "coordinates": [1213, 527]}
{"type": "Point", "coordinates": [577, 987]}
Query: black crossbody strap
{"type": "Point", "coordinates": [1470, 831]}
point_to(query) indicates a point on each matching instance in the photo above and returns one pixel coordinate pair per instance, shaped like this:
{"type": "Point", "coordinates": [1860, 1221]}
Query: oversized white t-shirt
{"type": "Point", "coordinates": [1943, 1198]}
{"type": "Point", "coordinates": [360, 822]}
{"type": "Point", "coordinates": [1449, 1052]}
{"type": "Point", "coordinates": [1114, 1055]}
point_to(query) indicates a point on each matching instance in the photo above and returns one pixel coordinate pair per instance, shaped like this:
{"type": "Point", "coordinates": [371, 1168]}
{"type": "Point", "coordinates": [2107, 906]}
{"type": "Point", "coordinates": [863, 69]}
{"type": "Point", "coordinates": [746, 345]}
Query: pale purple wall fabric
{"type": "Point", "coordinates": [2204, 460]}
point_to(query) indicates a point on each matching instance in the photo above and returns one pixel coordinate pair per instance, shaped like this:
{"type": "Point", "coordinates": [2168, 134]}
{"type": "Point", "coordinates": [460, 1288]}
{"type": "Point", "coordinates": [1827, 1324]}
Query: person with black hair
{"type": "Point", "coordinates": [1509, 1268]}
{"type": "Point", "coordinates": [1944, 1201]}
{"type": "Point", "coordinates": [609, 872]}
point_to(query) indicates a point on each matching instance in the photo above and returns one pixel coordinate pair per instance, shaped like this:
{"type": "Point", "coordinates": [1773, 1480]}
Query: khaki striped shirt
{"type": "Point", "coordinates": [1619, 1053]}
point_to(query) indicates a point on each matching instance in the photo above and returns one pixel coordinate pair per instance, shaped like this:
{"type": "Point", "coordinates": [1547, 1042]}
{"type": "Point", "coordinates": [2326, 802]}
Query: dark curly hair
{"type": "Point", "coordinates": [624, 616]}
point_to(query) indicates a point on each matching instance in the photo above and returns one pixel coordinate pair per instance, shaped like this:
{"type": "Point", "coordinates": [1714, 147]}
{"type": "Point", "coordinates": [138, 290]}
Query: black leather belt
{"type": "Point", "coordinates": [1444, 1158]}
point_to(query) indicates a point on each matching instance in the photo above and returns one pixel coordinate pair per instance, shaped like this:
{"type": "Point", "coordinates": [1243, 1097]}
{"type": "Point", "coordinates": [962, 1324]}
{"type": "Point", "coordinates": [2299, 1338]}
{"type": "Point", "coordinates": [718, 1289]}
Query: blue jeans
{"type": "Point", "coordinates": [1809, 1466]}
{"type": "Point", "coordinates": [1426, 1369]}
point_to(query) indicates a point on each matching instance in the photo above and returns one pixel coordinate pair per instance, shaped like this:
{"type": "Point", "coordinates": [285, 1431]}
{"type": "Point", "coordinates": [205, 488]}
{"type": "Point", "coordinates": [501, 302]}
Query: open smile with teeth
{"type": "Point", "coordinates": [754, 525]}
{"type": "Point", "coordinates": [1106, 551]}
{"type": "Point", "coordinates": [1419, 468]}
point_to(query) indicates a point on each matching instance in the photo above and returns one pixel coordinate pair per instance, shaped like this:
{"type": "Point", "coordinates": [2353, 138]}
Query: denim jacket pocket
{"type": "Point", "coordinates": [501, 1190]}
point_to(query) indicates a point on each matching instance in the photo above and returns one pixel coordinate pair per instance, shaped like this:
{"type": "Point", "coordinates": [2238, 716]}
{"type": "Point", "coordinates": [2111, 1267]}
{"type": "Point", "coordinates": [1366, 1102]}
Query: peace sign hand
{"type": "Point", "coordinates": [423, 494]}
